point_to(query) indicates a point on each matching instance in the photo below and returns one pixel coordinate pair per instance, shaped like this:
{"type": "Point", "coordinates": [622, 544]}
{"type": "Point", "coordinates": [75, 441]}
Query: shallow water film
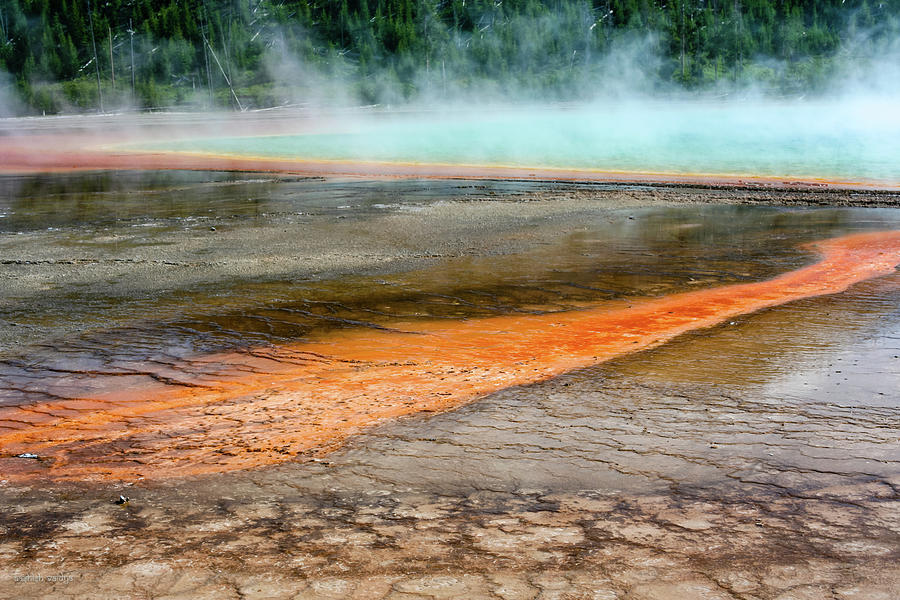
{"type": "Point", "coordinates": [403, 389]}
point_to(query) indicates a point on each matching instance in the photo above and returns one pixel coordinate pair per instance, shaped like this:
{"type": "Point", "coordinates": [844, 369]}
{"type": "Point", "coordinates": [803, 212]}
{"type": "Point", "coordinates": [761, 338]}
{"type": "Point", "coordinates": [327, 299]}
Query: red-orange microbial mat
{"type": "Point", "coordinates": [272, 405]}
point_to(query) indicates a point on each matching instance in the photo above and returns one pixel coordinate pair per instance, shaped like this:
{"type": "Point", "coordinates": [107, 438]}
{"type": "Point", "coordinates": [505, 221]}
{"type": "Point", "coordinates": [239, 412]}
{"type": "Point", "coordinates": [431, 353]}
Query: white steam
{"type": "Point", "coordinates": [10, 103]}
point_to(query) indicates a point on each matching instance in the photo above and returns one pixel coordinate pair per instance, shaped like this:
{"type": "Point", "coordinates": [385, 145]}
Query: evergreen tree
{"type": "Point", "coordinates": [400, 48]}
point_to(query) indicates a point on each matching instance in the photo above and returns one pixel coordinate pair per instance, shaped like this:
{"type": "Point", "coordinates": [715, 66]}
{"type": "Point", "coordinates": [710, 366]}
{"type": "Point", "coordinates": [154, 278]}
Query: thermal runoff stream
{"type": "Point", "coordinates": [267, 405]}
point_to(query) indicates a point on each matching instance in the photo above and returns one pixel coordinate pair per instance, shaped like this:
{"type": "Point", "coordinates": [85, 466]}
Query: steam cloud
{"type": "Point", "coordinates": [10, 104]}
{"type": "Point", "coordinates": [627, 68]}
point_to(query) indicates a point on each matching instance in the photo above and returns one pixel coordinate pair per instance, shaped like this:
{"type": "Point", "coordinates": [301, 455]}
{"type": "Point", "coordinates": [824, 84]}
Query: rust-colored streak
{"type": "Point", "coordinates": [272, 405]}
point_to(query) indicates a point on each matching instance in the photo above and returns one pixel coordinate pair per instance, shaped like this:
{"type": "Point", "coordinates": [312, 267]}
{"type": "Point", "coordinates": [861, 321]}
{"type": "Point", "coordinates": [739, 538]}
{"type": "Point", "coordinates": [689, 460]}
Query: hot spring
{"type": "Point", "coordinates": [805, 141]}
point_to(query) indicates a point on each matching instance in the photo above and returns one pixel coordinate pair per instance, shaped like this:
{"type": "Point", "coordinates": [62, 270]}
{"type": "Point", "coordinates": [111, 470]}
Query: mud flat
{"type": "Point", "coordinates": [755, 458]}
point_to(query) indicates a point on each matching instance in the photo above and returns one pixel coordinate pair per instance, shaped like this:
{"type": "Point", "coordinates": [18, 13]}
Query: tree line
{"type": "Point", "coordinates": [66, 55]}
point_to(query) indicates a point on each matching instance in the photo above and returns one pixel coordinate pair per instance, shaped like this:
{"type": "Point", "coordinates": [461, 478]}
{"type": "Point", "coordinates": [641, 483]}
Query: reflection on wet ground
{"type": "Point", "coordinates": [754, 459]}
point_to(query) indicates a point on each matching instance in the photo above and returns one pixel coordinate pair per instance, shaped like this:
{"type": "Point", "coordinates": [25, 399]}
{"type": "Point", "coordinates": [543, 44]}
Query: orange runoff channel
{"type": "Point", "coordinates": [272, 405]}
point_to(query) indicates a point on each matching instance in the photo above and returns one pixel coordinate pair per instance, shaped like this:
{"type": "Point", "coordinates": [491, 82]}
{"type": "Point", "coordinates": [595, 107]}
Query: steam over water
{"type": "Point", "coordinates": [858, 141]}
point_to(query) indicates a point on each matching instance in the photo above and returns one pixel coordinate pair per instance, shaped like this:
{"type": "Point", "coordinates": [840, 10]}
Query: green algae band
{"type": "Point", "coordinates": [859, 141]}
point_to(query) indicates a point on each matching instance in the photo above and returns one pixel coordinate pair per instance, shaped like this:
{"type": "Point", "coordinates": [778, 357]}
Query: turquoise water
{"type": "Point", "coordinates": [857, 141]}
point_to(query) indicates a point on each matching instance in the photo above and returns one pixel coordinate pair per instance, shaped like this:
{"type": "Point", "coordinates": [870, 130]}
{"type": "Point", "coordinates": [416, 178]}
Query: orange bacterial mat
{"type": "Point", "coordinates": [272, 405]}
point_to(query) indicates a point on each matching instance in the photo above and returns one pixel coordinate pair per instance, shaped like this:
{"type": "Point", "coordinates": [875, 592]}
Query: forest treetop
{"type": "Point", "coordinates": [65, 55]}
